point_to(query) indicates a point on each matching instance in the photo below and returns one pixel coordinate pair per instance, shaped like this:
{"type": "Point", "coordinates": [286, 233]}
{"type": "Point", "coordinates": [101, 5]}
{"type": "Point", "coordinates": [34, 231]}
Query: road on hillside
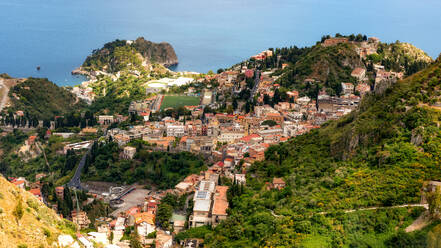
{"type": "Point", "coordinates": [256, 85]}
{"type": "Point", "coordinates": [10, 129]}
{"type": "Point", "coordinates": [75, 181]}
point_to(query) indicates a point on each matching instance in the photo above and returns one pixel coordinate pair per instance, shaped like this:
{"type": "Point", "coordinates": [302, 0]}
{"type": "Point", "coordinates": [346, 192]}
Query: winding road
{"type": "Point", "coordinates": [75, 181]}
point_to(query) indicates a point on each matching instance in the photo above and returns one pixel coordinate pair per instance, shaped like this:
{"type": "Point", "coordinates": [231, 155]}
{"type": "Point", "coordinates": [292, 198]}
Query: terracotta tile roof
{"type": "Point", "coordinates": [277, 180]}
{"type": "Point", "coordinates": [133, 211]}
{"type": "Point", "coordinates": [273, 114]}
{"type": "Point", "coordinates": [145, 217]}
{"type": "Point", "coordinates": [358, 71]}
{"type": "Point", "coordinates": [18, 182]}
{"type": "Point", "coordinates": [36, 192]}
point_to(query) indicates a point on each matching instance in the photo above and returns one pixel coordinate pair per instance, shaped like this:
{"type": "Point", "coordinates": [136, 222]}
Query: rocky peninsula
{"type": "Point", "coordinates": [121, 54]}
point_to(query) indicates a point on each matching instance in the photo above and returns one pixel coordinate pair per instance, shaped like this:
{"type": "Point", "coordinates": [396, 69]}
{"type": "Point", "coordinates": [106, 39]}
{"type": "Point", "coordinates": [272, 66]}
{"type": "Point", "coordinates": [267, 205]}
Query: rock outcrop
{"type": "Point", "coordinates": [162, 53]}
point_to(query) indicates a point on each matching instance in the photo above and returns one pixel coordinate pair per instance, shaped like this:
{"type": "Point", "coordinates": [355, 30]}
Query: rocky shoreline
{"type": "Point", "coordinates": [80, 71]}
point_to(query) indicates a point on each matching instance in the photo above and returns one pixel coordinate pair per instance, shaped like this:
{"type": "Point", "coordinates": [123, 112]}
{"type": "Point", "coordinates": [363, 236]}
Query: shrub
{"type": "Point", "coordinates": [46, 232]}
{"type": "Point", "coordinates": [31, 203]}
{"type": "Point", "coordinates": [18, 211]}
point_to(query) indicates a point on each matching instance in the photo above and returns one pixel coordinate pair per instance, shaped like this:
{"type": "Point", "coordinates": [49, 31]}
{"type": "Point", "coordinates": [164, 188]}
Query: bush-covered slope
{"type": "Point", "coordinates": [400, 56]}
{"type": "Point", "coordinates": [26, 221]}
{"type": "Point", "coordinates": [332, 65]}
{"type": "Point", "coordinates": [42, 99]}
{"type": "Point", "coordinates": [379, 155]}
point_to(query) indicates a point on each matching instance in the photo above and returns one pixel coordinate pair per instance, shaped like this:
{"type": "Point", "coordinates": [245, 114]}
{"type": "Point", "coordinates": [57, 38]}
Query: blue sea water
{"type": "Point", "coordinates": [206, 34]}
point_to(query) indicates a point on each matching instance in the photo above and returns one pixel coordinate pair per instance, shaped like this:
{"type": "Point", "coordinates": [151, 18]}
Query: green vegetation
{"type": "Point", "coordinates": [119, 54]}
{"type": "Point", "coordinates": [329, 65]}
{"type": "Point", "coordinates": [115, 94]}
{"type": "Point", "coordinates": [379, 155]}
{"type": "Point", "coordinates": [113, 57]}
{"type": "Point", "coordinates": [18, 164]}
{"type": "Point", "coordinates": [5, 76]}
{"type": "Point", "coordinates": [401, 57]}
{"type": "Point", "coordinates": [179, 101]}
{"type": "Point", "coordinates": [270, 123]}
{"type": "Point", "coordinates": [42, 99]}
{"type": "Point", "coordinates": [160, 168]}
{"type": "Point", "coordinates": [169, 204]}
{"type": "Point", "coordinates": [18, 210]}
{"type": "Point", "coordinates": [164, 215]}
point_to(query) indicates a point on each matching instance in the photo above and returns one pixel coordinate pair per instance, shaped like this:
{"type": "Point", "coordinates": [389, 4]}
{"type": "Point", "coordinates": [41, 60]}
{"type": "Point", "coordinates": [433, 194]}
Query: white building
{"type": "Point", "coordinates": [229, 136]}
{"type": "Point", "coordinates": [175, 130]}
{"type": "Point", "coordinates": [347, 88]}
{"type": "Point", "coordinates": [303, 100]}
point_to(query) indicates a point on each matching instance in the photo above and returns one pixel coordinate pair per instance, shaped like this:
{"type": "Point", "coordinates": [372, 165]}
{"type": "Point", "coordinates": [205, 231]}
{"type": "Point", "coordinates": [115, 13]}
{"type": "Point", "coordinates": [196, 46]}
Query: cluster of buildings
{"type": "Point", "coordinates": [84, 92]}
{"type": "Point", "coordinates": [263, 55]}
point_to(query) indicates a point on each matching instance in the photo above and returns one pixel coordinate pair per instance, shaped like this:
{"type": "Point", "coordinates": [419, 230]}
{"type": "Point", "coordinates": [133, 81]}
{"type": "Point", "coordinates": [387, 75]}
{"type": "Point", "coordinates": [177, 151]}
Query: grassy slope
{"type": "Point", "coordinates": [39, 226]}
{"type": "Point", "coordinates": [379, 155]}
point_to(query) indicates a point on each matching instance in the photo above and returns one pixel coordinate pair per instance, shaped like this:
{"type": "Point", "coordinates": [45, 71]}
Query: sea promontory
{"type": "Point", "coordinates": [135, 54]}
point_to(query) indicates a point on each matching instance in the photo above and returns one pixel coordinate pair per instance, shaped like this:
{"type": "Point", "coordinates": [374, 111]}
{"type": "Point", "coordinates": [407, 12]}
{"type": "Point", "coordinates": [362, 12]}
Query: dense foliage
{"type": "Point", "coordinates": [401, 57]}
{"type": "Point", "coordinates": [112, 57]}
{"type": "Point", "coordinates": [329, 65]}
{"type": "Point", "coordinates": [160, 168]}
{"type": "Point", "coordinates": [42, 157]}
{"type": "Point", "coordinates": [42, 99]}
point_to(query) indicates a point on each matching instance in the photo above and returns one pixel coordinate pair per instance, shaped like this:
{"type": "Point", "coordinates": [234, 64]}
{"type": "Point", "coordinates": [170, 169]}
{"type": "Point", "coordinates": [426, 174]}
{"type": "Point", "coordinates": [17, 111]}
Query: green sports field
{"type": "Point", "coordinates": [178, 101]}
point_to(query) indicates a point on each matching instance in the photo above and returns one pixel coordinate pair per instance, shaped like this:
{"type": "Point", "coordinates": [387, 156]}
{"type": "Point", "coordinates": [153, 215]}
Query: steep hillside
{"type": "Point", "coordinates": [42, 99]}
{"type": "Point", "coordinates": [330, 65]}
{"type": "Point", "coordinates": [400, 56]}
{"type": "Point", "coordinates": [25, 221]}
{"type": "Point", "coordinates": [379, 155]}
{"type": "Point", "coordinates": [122, 54]}
{"type": "Point", "coordinates": [6, 83]}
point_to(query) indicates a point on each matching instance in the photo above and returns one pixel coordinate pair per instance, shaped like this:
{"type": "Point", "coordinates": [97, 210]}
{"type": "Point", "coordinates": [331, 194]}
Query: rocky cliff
{"type": "Point", "coordinates": [161, 53]}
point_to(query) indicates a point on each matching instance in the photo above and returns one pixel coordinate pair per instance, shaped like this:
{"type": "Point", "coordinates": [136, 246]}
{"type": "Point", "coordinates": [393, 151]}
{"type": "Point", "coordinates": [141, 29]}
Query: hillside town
{"type": "Point", "coordinates": [230, 142]}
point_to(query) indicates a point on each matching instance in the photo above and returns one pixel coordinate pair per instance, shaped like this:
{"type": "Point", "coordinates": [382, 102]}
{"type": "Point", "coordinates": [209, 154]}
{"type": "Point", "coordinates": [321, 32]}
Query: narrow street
{"type": "Point", "coordinates": [75, 181]}
{"type": "Point", "coordinates": [256, 85]}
